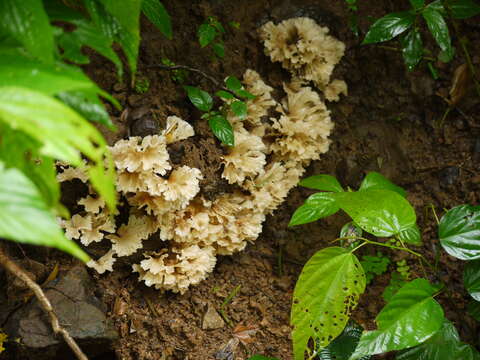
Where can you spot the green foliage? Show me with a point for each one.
(412, 307)
(316, 207)
(211, 32)
(353, 19)
(322, 182)
(397, 280)
(471, 279)
(344, 345)
(326, 292)
(177, 75)
(158, 15)
(376, 181)
(411, 235)
(142, 84)
(374, 265)
(473, 309)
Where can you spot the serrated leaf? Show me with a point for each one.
(239, 108)
(376, 181)
(411, 235)
(224, 94)
(322, 182)
(344, 345)
(233, 84)
(389, 26)
(471, 279)
(155, 11)
(463, 9)
(199, 98)
(28, 23)
(206, 34)
(317, 206)
(411, 317)
(439, 29)
(412, 48)
(25, 217)
(63, 133)
(417, 4)
(222, 129)
(459, 232)
(473, 309)
(218, 49)
(382, 213)
(444, 345)
(326, 292)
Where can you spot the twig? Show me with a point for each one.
(393, 48)
(12, 267)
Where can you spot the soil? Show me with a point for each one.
(388, 123)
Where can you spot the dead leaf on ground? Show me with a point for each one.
(245, 333)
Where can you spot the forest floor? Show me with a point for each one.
(388, 123)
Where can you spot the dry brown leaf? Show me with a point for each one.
(460, 84)
(245, 333)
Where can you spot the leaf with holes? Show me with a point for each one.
(471, 279)
(389, 26)
(326, 292)
(239, 108)
(206, 33)
(412, 48)
(376, 181)
(344, 345)
(158, 15)
(222, 129)
(317, 206)
(439, 29)
(322, 182)
(411, 317)
(459, 232)
(411, 235)
(383, 213)
(201, 99)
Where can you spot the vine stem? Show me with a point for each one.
(17, 271)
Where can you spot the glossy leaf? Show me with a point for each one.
(411, 235)
(412, 48)
(26, 218)
(376, 181)
(206, 33)
(344, 345)
(439, 29)
(444, 345)
(411, 317)
(219, 49)
(245, 94)
(382, 213)
(417, 4)
(222, 129)
(155, 11)
(63, 133)
(239, 108)
(322, 182)
(471, 279)
(199, 98)
(473, 309)
(317, 206)
(389, 26)
(28, 23)
(459, 232)
(463, 9)
(325, 294)
(233, 83)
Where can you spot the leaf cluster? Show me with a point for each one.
(374, 265)
(211, 32)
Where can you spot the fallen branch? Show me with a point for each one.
(17, 271)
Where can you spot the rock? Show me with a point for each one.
(79, 311)
(212, 320)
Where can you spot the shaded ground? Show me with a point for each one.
(386, 124)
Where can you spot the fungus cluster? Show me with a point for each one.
(273, 145)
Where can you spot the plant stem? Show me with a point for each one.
(392, 48)
(226, 302)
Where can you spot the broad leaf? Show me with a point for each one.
(389, 26)
(411, 317)
(471, 279)
(417, 4)
(459, 232)
(325, 294)
(473, 309)
(24, 216)
(322, 182)
(158, 15)
(439, 29)
(233, 84)
(206, 33)
(317, 206)
(63, 133)
(343, 346)
(444, 345)
(222, 129)
(463, 9)
(218, 49)
(376, 181)
(412, 48)
(382, 213)
(239, 108)
(199, 98)
(411, 235)
(28, 23)
(245, 94)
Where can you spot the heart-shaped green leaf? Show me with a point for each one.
(317, 206)
(222, 129)
(322, 182)
(376, 181)
(389, 26)
(471, 279)
(199, 98)
(459, 232)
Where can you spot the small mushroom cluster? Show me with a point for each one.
(273, 145)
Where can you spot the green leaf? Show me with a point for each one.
(439, 29)
(28, 23)
(322, 182)
(222, 129)
(26, 218)
(412, 48)
(471, 279)
(206, 33)
(218, 49)
(199, 98)
(463, 9)
(325, 294)
(245, 94)
(417, 4)
(397, 280)
(459, 232)
(224, 94)
(382, 213)
(411, 235)
(239, 108)
(317, 206)
(444, 345)
(389, 26)
(158, 15)
(344, 345)
(374, 265)
(376, 181)
(411, 317)
(473, 309)
(63, 133)
(233, 84)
